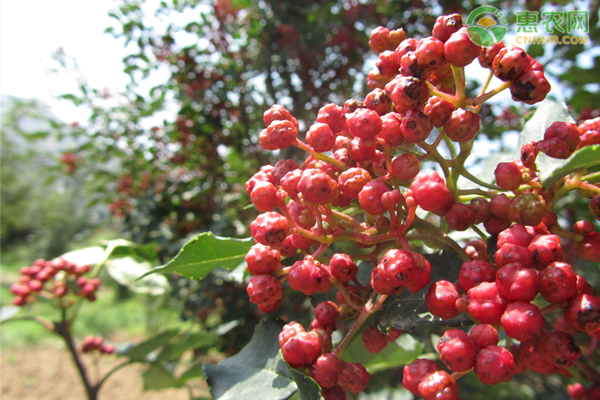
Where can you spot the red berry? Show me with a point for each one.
(305, 276)
(35, 285)
(370, 197)
(522, 320)
(262, 259)
(515, 235)
(532, 87)
(410, 92)
(565, 131)
(510, 63)
(415, 372)
(438, 385)
(393, 334)
(430, 191)
(558, 283)
(485, 303)
(107, 348)
(438, 110)
(278, 113)
(391, 131)
(373, 340)
(460, 50)
(484, 335)
(334, 393)
(472, 273)
(302, 350)
(317, 187)
(441, 299)
(517, 283)
(499, 205)
(404, 268)
(333, 116)
(494, 365)
(446, 25)
(343, 268)
(388, 64)
(534, 359)
(416, 126)
(364, 123)
(264, 175)
(281, 169)
(302, 215)
(509, 253)
(545, 249)
(264, 289)
(576, 391)
(264, 196)
(457, 350)
(554, 147)
(19, 301)
(326, 370)
(270, 229)
(406, 166)
(289, 331)
(379, 100)
(559, 349)
(462, 125)
(486, 58)
(515, 350)
(327, 313)
(379, 40)
(282, 134)
(410, 66)
(590, 132)
(354, 377)
(583, 227)
(430, 53)
(320, 137)
(589, 248)
(508, 175)
(527, 209)
(460, 217)
(583, 312)
(583, 287)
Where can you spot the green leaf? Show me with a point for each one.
(256, 372)
(122, 247)
(125, 270)
(409, 309)
(307, 387)
(7, 312)
(141, 350)
(552, 170)
(401, 352)
(547, 113)
(156, 378)
(87, 255)
(173, 351)
(195, 371)
(204, 253)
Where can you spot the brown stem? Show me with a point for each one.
(64, 330)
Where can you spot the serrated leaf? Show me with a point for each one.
(552, 170)
(547, 113)
(140, 350)
(308, 388)
(204, 253)
(156, 378)
(195, 371)
(7, 312)
(256, 372)
(396, 354)
(409, 309)
(125, 270)
(174, 350)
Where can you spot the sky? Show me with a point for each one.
(30, 31)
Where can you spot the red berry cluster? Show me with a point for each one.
(53, 279)
(92, 343)
(362, 183)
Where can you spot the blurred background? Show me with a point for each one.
(140, 120)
